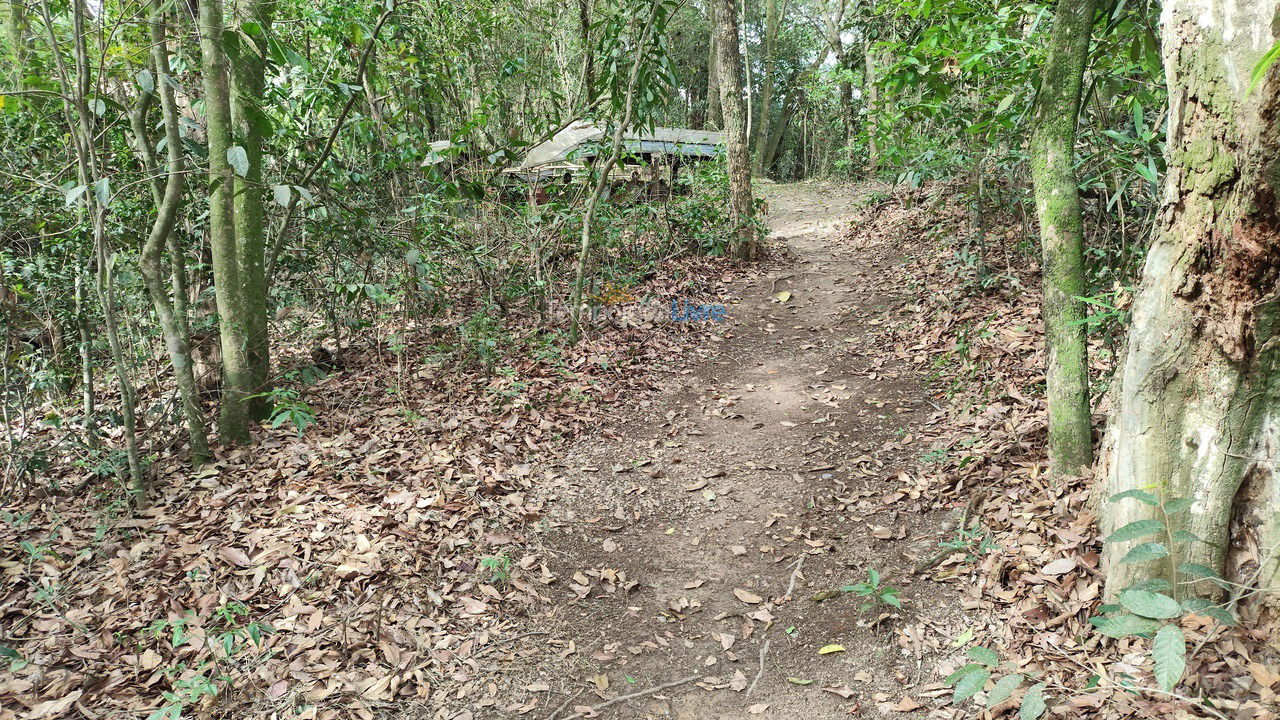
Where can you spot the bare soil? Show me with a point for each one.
(692, 530)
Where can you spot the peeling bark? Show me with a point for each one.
(1198, 408)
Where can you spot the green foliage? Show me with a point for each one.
(187, 691)
(231, 634)
(287, 406)
(1033, 703)
(1264, 64)
(1169, 651)
(875, 592)
(700, 210)
(1150, 610)
(498, 567)
(973, 543)
(619, 45)
(483, 338)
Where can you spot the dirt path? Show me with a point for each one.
(694, 530)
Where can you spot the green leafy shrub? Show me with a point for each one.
(1152, 610)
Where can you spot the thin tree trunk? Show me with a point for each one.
(777, 133)
(16, 30)
(746, 246)
(872, 95)
(1053, 143)
(96, 199)
(849, 114)
(615, 152)
(744, 65)
(588, 52)
(248, 121)
(791, 103)
(168, 198)
(277, 242)
(765, 107)
(1198, 403)
(73, 108)
(234, 324)
(85, 346)
(715, 115)
(128, 401)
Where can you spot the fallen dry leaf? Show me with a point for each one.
(906, 704)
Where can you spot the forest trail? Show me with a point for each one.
(694, 529)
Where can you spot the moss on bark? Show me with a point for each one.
(250, 124)
(233, 322)
(1198, 402)
(1062, 238)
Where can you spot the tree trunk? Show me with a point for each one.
(588, 52)
(791, 103)
(844, 60)
(249, 122)
(88, 400)
(778, 132)
(872, 95)
(1198, 405)
(168, 197)
(715, 115)
(16, 30)
(234, 324)
(765, 106)
(604, 170)
(1053, 141)
(94, 175)
(741, 204)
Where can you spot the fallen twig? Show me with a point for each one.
(563, 705)
(500, 643)
(791, 586)
(634, 695)
(764, 650)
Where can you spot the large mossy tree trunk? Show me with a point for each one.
(249, 123)
(741, 203)
(1053, 142)
(234, 322)
(1198, 405)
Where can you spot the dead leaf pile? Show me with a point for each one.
(376, 560)
(1041, 582)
